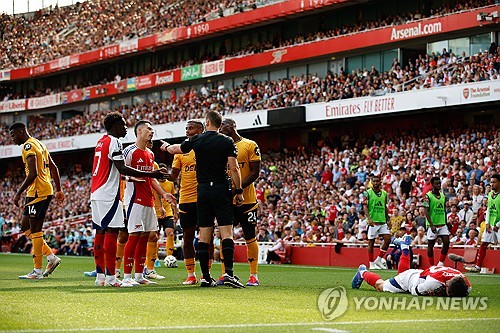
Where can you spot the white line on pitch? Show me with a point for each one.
(330, 330)
(205, 327)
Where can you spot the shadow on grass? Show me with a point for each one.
(38, 285)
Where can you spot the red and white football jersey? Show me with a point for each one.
(434, 278)
(105, 175)
(441, 273)
(139, 192)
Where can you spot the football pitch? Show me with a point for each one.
(286, 301)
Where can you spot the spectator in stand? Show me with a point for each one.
(477, 198)
(466, 214)
(327, 175)
(421, 238)
(458, 238)
(453, 219)
(349, 238)
(472, 226)
(406, 185)
(471, 239)
(420, 218)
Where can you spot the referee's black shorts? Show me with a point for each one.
(214, 201)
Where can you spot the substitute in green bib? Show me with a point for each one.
(492, 225)
(375, 206)
(435, 212)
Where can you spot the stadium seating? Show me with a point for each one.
(422, 73)
(87, 25)
(251, 48)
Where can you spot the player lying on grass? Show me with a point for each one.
(434, 281)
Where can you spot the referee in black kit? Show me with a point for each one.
(214, 152)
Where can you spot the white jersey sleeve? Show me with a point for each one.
(115, 150)
(128, 153)
(429, 287)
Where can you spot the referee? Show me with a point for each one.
(214, 152)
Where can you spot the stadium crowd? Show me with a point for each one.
(425, 72)
(258, 47)
(318, 193)
(61, 31)
(314, 194)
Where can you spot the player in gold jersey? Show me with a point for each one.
(40, 170)
(167, 215)
(185, 165)
(246, 214)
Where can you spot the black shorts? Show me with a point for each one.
(214, 201)
(166, 222)
(246, 214)
(188, 215)
(36, 210)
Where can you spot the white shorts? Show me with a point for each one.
(489, 237)
(107, 214)
(141, 218)
(377, 230)
(403, 282)
(440, 231)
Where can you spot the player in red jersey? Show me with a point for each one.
(434, 281)
(107, 212)
(139, 204)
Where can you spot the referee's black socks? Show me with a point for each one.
(204, 256)
(228, 253)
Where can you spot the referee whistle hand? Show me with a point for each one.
(164, 145)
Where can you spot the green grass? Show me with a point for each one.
(286, 302)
